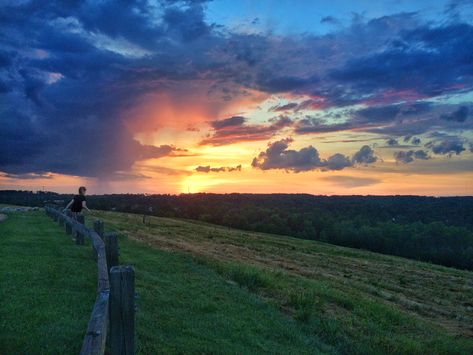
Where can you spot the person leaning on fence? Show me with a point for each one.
(78, 203)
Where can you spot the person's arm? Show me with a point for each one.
(68, 205)
(84, 206)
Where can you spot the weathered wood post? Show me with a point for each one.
(98, 228)
(111, 249)
(68, 225)
(122, 310)
(79, 235)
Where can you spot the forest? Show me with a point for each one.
(433, 229)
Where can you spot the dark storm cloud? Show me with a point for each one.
(285, 83)
(429, 60)
(459, 115)
(73, 126)
(410, 155)
(380, 119)
(447, 146)
(69, 69)
(4, 59)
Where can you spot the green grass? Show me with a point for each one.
(47, 287)
(351, 300)
(184, 306)
(210, 289)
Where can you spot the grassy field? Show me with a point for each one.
(47, 287)
(211, 289)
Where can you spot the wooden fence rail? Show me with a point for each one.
(102, 313)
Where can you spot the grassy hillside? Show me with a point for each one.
(211, 289)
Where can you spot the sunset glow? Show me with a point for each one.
(214, 97)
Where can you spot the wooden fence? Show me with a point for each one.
(113, 313)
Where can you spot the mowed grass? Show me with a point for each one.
(184, 306)
(47, 287)
(209, 289)
(350, 300)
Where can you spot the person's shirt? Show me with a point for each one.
(77, 204)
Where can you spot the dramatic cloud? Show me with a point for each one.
(365, 156)
(71, 72)
(337, 162)
(459, 115)
(410, 155)
(427, 60)
(233, 130)
(315, 125)
(311, 104)
(413, 140)
(208, 169)
(383, 119)
(63, 114)
(286, 107)
(228, 122)
(449, 145)
(278, 156)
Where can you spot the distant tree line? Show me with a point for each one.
(437, 230)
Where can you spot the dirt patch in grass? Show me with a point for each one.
(2, 217)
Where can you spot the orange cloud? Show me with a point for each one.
(185, 106)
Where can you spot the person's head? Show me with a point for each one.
(82, 190)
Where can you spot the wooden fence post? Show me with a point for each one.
(98, 228)
(68, 225)
(111, 249)
(79, 235)
(122, 310)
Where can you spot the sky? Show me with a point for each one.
(323, 97)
